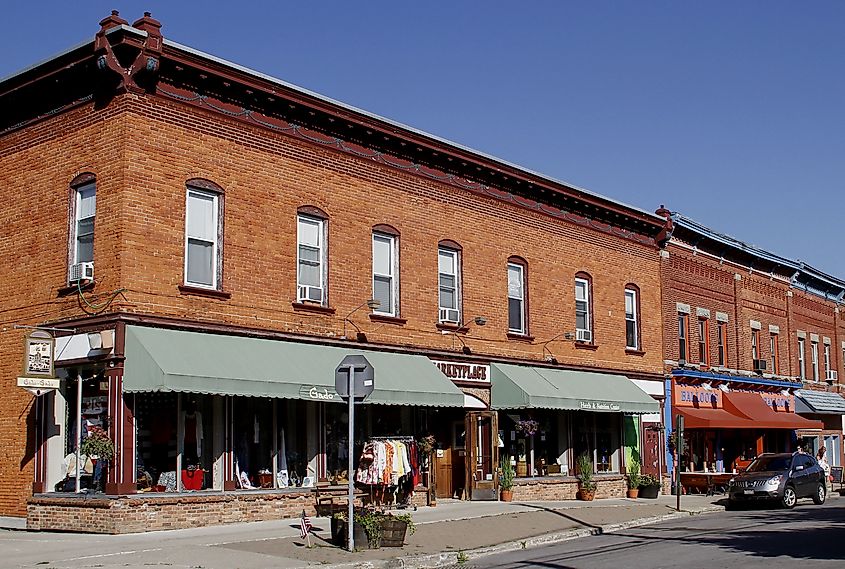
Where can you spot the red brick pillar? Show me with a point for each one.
(121, 477)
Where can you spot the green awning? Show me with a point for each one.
(526, 387)
(193, 362)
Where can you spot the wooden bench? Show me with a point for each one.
(329, 500)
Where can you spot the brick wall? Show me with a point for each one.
(565, 488)
(139, 514)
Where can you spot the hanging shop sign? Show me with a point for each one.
(599, 406)
(39, 350)
(315, 393)
(464, 371)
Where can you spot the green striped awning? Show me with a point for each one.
(194, 362)
(527, 387)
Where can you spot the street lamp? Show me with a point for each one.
(569, 336)
(372, 304)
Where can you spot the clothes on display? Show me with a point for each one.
(193, 432)
(392, 464)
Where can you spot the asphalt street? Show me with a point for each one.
(808, 536)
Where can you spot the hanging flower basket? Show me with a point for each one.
(527, 427)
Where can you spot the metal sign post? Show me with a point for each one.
(679, 442)
(353, 370)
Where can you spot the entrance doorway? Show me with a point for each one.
(651, 459)
(482, 455)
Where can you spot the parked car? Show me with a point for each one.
(783, 477)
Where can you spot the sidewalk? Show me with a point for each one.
(476, 528)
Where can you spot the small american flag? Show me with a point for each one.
(304, 525)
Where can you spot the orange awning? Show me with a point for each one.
(754, 407)
(707, 418)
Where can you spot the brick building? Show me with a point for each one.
(749, 339)
(203, 240)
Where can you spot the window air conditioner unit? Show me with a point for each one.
(81, 272)
(449, 315)
(682, 363)
(831, 375)
(583, 336)
(311, 293)
(759, 366)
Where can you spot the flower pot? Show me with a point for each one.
(339, 534)
(393, 533)
(586, 495)
(507, 495)
(649, 491)
(633, 492)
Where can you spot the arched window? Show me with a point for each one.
(312, 255)
(632, 317)
(449, 282)
(83, 213)
(517, 296)
(203, 234)
(386, 269)
(583, 308)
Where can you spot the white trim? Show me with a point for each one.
(522, 327)
(215, 223)
(588, 320)
(321, 256)
(393, 263)
(448, 311)
(636, 319)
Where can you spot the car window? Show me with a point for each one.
(808, 461)
(769, 463)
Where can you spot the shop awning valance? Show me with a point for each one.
(820, 402)
(527, 387)
(194, 362)
(743, 410)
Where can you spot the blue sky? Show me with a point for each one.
(729, 112)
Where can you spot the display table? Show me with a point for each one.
(705, 482)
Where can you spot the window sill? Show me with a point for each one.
(586, 346)
(633, 352)
(520, 337)
(308, 307)
(73, 288)
(387, 319)
(451, 327)
(206, 292)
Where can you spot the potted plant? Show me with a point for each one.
(98, 446)
(375, 529)
(586, 486)
(633, 478)
(649, 486)
(506, 476)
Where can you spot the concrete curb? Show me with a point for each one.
(448, 558)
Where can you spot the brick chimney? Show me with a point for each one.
(111, 21)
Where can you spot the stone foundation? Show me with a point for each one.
(557, 488)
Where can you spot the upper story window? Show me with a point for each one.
(583, 316)
(85, 211)
(202, 238)
(802, 366)
(704, 341)
(449, 284)
(826, 361)
(385, 271)
(774, 349)
(814, 359)
(683, 334)
(311, 259)
(516, 298)
(632, 319)
(755, 344)
(721, 340)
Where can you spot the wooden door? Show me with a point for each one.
(482, 455)
(443, 478)
(652, 437)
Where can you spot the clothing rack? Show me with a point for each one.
(378, 492)
(397, 438)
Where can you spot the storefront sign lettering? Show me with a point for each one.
(39, 382)
(317, 393)
(696, 396)
(464, 372)
(779, 402)
(599, 406)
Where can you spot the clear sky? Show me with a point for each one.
(729, 112)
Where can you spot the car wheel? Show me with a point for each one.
(789, 498)
(820, 495)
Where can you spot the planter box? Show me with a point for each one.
(340, 538)
(393, 533)
(649, 491)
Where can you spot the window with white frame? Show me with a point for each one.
(814, 359)
(311, 260)
(449, 285)
(632, 336)
(802, 364)
(201, 239)
(516, 298)
(385, 271)
(826, 360)
(583, 325)
(85, 211)
(683, 333)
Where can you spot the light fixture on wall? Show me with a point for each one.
(372, 304)
(463, 328)
(547, 354)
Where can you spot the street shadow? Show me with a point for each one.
(561, 514)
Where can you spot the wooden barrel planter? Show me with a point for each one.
(521, 469)
(340, 534)
(393, 533)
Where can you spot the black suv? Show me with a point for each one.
(784, 477)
